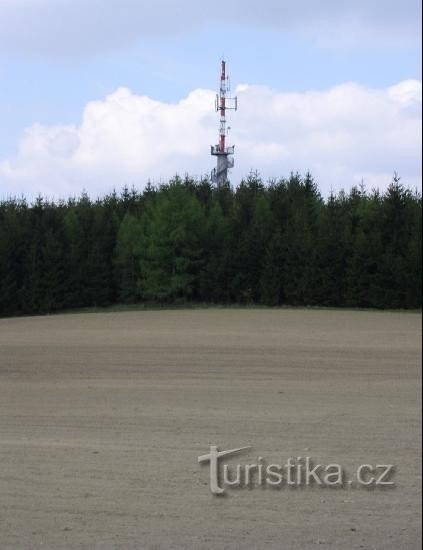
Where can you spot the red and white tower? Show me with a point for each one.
(219, 174)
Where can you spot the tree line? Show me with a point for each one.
(190, 241)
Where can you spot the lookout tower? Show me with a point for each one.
(222, 151)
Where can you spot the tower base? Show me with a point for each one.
(219, 175)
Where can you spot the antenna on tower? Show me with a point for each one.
(222, 151)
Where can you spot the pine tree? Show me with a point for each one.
(127, 258)
(271, 281)
(214, 277)
(53, 271)
(171, 253)
(74, 259)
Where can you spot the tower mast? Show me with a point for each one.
(223, 153)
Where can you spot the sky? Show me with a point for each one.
(98, 94)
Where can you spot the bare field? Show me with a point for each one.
(103, 416)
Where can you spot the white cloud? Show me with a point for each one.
(72, 27)
(341, 135)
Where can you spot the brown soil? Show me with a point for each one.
(103, 416)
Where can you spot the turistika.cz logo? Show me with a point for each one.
(295, 472)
